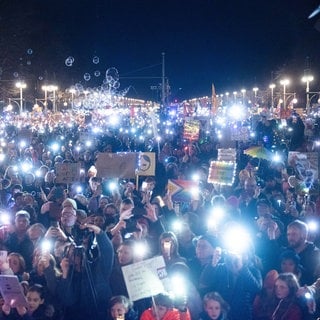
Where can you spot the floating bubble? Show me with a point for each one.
(29, 63)
(16, 74)
(69, 61)
(97, 73)
(87, 76)
(95, 60)
(30, 51)
(116, 85)
(112, 72)
(109, 79)
(79, 86)
(40, 78)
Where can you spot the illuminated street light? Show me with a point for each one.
(235, 95)
(307, 79)
(53, 89)
(72, 91)
(284, 83)
(227, 95)
(243, 91)
(272, 86)
(21, 85)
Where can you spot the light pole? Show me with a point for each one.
(235, 95)
(53, 88)
(243, 91)
(21, 85)
(284, 83)
(307, 79)
(72, 91)
(272, 86)
(227, 95)
(45, 88)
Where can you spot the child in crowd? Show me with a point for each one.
(35, 310)
(120, 307)
(163, 310)
(215, 308)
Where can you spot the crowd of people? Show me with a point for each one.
(244, 251)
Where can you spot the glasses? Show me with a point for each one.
(68, 214)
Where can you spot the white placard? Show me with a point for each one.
(146, 278)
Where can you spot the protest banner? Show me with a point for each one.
(222, 172)
(146, 278)
(183, 190)
(67, 172)
(116, 165)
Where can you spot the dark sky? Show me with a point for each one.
(232, 44)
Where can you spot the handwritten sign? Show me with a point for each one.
(229, 154)
(67, 172)
(240, 133)
(146, 278)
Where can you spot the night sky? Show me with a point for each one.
(232, 44)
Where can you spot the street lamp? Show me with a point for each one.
(235, 95)
(21, 85)
(272, 86)
(72, 91)
(307, 79)
(53, 88)
(284, 83)
(227, 95)
(243, 91)
(45, 88)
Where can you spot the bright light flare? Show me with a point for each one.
(237, 112)
(236, 240)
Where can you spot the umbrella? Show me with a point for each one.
(259, 152)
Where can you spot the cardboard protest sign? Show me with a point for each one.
(116, 165)
(67, 172)
(222, 172)
(146, 278)
(191, 130)
(239, 133)
(11, 291)
(146, 164)
(183, 190)
(229, 154)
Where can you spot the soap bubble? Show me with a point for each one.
(29, 51)
(95, 60)
(87, 76)
(69, 61)
(97, 73)
(16, 74)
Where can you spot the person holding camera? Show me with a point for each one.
(84, 286)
